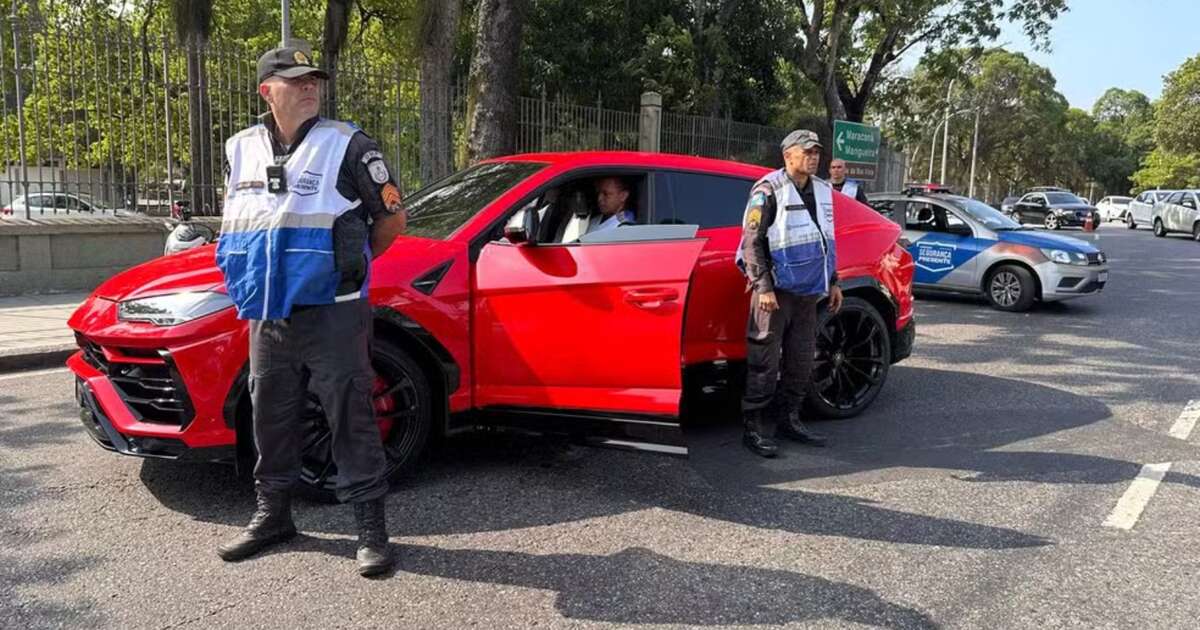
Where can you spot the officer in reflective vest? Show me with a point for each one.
(308, 203)
(789, 257)
(848, 187)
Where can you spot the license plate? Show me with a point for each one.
(1103, 276)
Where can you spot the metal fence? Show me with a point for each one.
(120, 115)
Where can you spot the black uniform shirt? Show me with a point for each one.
(756, 249)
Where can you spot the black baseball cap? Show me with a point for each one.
(288, 62)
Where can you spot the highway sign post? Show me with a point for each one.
(858, 145)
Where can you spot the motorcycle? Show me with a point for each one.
(186, 233)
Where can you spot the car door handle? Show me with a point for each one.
(651, 298)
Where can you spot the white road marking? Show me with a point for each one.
(1187, 421)
(1129, 508)
(17, 375)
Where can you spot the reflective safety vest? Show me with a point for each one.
(276, 249)
(850, 188)
(803, 253)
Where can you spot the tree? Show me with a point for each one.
(437, 27)
(193, 26)
(337, 24)
(847, 46)
(1175, 160)
(494, 80)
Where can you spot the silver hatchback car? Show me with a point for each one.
(1180, 212)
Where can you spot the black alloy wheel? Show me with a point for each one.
(403, 411)
(1159, 230)
(1129, 222)
(853, 355)
(1011, 288)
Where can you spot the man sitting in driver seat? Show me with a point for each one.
(612, 195)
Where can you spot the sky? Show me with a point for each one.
(1129, 44)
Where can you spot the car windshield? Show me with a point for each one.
(990, 217)
(1161, 194)
(1062, 197)
(436, 211)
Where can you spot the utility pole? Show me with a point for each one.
(974, 152)
(946, 131)
(932, 151)
(286, 30)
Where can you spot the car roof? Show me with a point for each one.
(661, 161)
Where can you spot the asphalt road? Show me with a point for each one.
(974, 494)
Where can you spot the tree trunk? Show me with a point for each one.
(336, 25)
(438, 27)
(494, 79)
(203, 193)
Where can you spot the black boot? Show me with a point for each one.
(754, 438)
(373, 555)
(271, 524)
(791, 427)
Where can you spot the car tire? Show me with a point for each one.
(1159, 230)
(1129, 222)
(1051, 222)
(853, 356)
(1010, 288)
(403, 405)
(1196, 232)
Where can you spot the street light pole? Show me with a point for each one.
(932, 151)
(974, 152)
(946, 131)
(286, 29)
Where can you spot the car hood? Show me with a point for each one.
(1041, 239)
(196, 270)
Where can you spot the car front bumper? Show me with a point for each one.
(158, 391)
(1061, 282)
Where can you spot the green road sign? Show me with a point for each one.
(858, 145)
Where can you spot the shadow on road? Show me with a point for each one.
(638, 586)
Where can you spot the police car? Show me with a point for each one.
(961, 245)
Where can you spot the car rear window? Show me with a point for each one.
(699, 199)
(439, 209)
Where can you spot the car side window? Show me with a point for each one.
(888, 207)
(709, 201)
(1189, 202)
(1175, 198)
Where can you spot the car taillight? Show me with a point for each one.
(6, 210)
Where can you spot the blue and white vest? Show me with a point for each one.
(803, 254)
(850, 188)
(276, 249)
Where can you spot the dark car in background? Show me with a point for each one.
(1054, 209)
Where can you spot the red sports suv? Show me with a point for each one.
(498, 308)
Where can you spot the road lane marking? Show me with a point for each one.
(1131, 504)
(7, 377)
(1130, 507)
(1187, 421)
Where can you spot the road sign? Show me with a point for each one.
(858, 145)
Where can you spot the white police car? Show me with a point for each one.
(961, 245)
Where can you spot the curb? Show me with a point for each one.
(36, 358)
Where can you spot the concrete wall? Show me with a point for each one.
(51, 255)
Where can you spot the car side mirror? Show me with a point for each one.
(526, 233)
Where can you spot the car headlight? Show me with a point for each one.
(176, 308)
(1065, 257)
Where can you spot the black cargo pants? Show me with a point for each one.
(326, 349)
(786, 336)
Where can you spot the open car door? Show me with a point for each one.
(587, 337)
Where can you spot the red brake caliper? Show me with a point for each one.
(384, 405)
